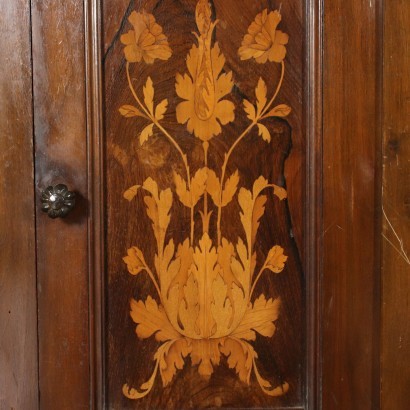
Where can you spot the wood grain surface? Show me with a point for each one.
(60, 157)
(18, 317)
(49, 95)
(351, 205)
(395, 355)
(129, 359)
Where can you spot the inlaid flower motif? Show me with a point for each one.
(146, 42)
(263, 42)
(204, 110)
(134, 260)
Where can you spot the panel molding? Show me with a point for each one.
(313, 195)
(314, 198)
(96, 227)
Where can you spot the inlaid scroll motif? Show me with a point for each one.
(205, 305)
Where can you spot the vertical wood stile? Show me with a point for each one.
(18, 306)
(395, 355)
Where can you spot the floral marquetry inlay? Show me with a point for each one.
(206, 304)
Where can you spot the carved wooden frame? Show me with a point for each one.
(313, 197)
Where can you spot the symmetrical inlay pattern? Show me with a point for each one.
(205, 305)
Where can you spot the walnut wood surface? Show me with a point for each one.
(351, 203)
(395, 355)
(60, 155)
(130, 360)
(18, 318)
(352, 208)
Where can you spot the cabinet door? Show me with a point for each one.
(204, 173)
(18, 336)
(60, 133)
(224, 250)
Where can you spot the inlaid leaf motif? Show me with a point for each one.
(173, 359)
(175, 301)
(152, 187)
(236, 278)
(261, 92)
(243, 267)
(224, 87)
(146, 133)
(281, 110)
(152, 212)
(145, 388)
(206, 354)
(151, 319)
(243, 254)
(264, 133)
(189, 309)
(182, 191)
(246, 202)
(259, 318)
(267, 387)
(148, 91)
(173, 275)
(255, 114)
(258, 211)
(129, 111)
(240, 357)
(253, 208)
(250, 110)
(158, 208)
(221, 308)
(280, 192)
(259, 185)
(164, 206)
(185, 256)
(161, 109)
(205, 270)
(213, 187)
(198, 185)
(131, 193)
(230, 188)
(226, 253)
(166, 269)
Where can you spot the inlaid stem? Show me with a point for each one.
(170, 138)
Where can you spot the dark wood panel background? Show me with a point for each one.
(352, 208)
(18, 309)
(395, 355)
(130, 360)
(351, 205)
(61, 157)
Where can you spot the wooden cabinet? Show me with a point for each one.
(228, 237)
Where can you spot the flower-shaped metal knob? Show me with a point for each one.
(57, 201)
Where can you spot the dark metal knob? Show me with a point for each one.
(57, 201)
